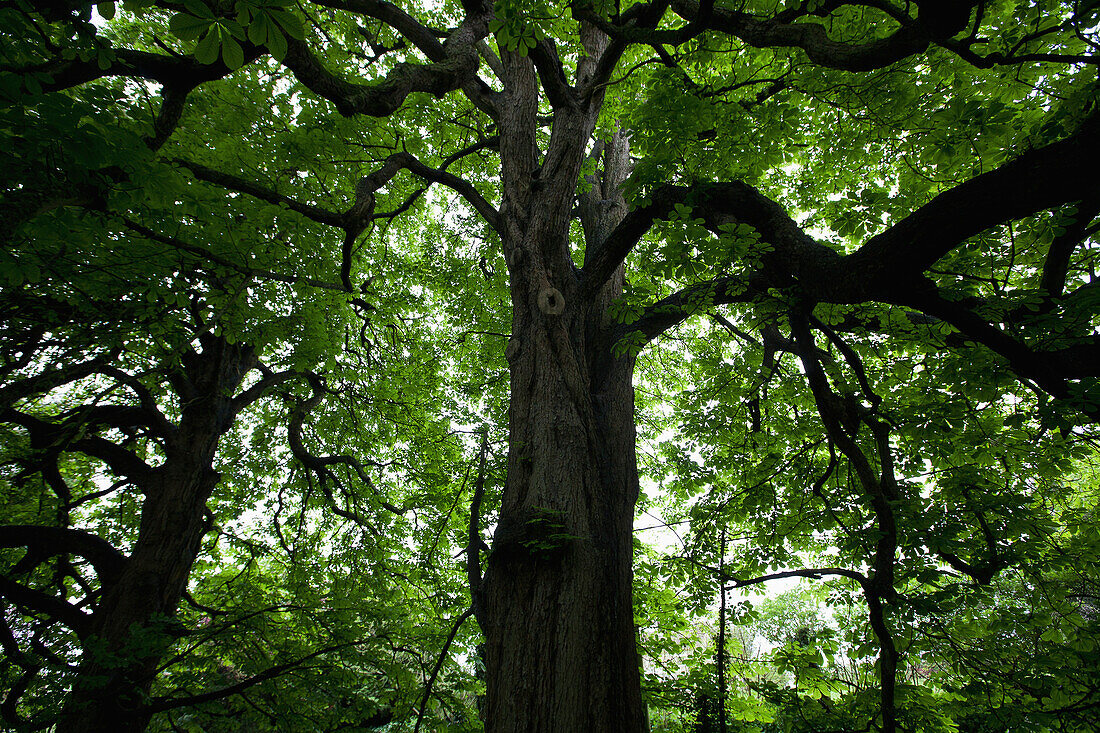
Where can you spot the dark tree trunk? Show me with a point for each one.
(556, 603)
(131, 627)
(720, 651)
(561, 652)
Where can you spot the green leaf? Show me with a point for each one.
(207, 50)
(106, 10)
(188, 27)
(258, 29)
(276, 43)
(198, 8)
(290, 24)
(233, 28)
(232, 53)
(30, 81)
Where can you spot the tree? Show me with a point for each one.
(891, 172)
(128, 355)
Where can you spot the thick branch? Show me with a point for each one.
(183, 72)
(1056, 264)
(453, 70)
(46, 434)
(42, 383)
(173, 102)
(795, 252)
(407, 26)
(44, 542)
(157, 421)
(552, 75)
(1049, 369)
(674, 309)
(256, 391)
(56, 609)
(936, 20)
(640, 18)
(1037, 180)
(888, 267)
(982, 574)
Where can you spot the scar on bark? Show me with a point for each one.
(551, 301)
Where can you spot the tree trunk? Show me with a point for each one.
(556, 602)
(132, 624)
(720, 651)
(561, 652)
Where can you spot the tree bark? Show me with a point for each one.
(132, 624)
(557, 608)
(560, 638)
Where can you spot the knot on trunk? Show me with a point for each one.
(517, 256)
(551, 301)
(511, 351)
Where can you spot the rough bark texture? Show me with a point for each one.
(557, 609)
(560, 651)
(131, 626)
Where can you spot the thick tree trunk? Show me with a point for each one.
(131, 627)
(556, 602)
(561, 652)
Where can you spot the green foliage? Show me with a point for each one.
(265, 23)
(513, 27)
(119, 247)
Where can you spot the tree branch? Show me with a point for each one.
(406, 161)
(552, 75)
(160, 704)
(251, 188)
(439, 665)
(1056, 265)
(210, 257)
(813, 573)
(322, 465)
(674, 309)
(474, 541)
(935, 21)
(58, 438)
(53, 607)
(183, 72)
(267, 382)
(44, 542)
(1035, 181)
(795, 253)
(44, 382)
(406, 25)
(454, 69)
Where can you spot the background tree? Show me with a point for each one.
(844, 184)
(128, 354)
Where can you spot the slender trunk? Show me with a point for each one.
(720, 656)
(131, 626)
(888, 664)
